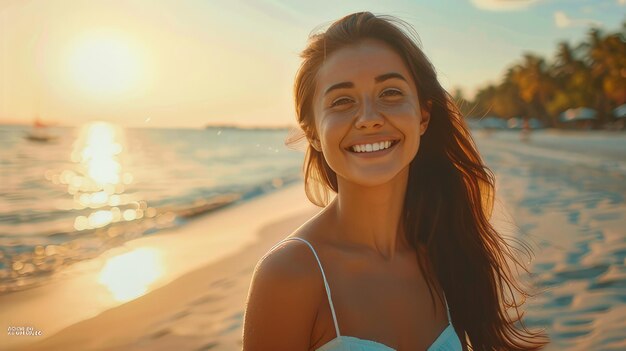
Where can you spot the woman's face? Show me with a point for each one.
(365, 95)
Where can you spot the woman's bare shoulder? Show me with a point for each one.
(283, 299)
(289, 260)
(292, 261)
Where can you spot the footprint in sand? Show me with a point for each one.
(586, 273)
(570, 335)
(163, 324)
(232, 326)
(205, 305)
(208, 346)
(577, 322)
(246, 271)
(180, 315)
(210, 310)
(233, 322)
(223, 283)
(205, 299)
(160, 333)
(560, 302)
(238, 316)
(217, 282)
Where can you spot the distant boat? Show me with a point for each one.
(39, 138)
(39, 133)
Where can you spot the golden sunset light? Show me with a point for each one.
(175, 174)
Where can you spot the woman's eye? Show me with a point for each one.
(340, 101)
(391, 92)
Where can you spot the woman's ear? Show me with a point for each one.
(425, 116)
(316, 145)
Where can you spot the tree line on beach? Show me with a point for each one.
(590, 74)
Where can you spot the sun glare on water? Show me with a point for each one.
(104, 64)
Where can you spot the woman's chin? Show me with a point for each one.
(373, 179)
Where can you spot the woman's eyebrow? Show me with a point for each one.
(381, 78)
(384, 77)
(342, 85)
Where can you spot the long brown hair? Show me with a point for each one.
(449, 197)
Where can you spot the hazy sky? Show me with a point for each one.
(188, 63)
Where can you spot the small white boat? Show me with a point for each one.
(39, 133)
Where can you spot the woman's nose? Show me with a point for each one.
(368, 115)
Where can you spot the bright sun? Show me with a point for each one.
(104, 65)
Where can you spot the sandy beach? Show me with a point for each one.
(200, 310)
(564, 194)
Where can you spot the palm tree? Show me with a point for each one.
(606, 55)
(565, 62)
(535, 84)
(591, 74)
(610, 64)
(572, 79)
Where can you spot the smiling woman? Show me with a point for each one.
(101, 64)
(404, 257)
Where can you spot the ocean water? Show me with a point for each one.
(97, 186)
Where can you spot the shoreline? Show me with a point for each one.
(157, 320)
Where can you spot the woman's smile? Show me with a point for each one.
(373, 150)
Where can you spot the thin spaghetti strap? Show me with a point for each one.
(447, 308)
(330, 300)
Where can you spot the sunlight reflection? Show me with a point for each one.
(100, 218)
(100, 153)
(129, 275)
(98, 180)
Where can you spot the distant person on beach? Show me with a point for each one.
(404, 257)
(525, 132)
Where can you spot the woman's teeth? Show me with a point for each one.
(371, 147)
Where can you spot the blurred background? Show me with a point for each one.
(121, 120)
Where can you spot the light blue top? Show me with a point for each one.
(448, 340)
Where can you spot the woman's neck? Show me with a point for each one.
(371, 216)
